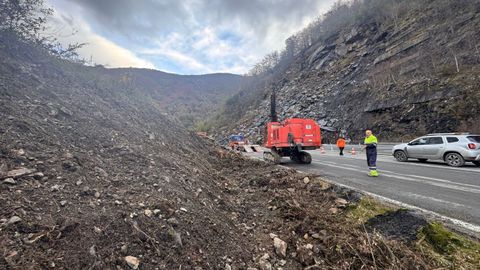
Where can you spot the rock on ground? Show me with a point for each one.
(280, 246)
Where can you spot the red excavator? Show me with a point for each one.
(290, 138)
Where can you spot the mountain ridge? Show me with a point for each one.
(187, 98)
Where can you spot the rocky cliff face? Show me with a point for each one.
(409, 76)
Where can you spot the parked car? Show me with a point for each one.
(453, 148)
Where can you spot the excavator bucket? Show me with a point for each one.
(251, 148)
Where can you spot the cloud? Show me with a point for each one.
(70, 29)
(112, 55)
(195, 36)
(177, 57)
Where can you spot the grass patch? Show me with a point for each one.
(366, 209)
(447, 248)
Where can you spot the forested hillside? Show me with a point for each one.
(402, 68)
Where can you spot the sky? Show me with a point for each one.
(181, 36)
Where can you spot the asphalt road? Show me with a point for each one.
(433, 186)
(382, 149)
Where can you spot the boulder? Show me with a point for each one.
(10, 181)
(19, 172)
(280, 246)
(148, 212)
(133, 262)
(340, 202)
(306, 180)
(13, 220)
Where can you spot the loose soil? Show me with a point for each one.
(401, 224)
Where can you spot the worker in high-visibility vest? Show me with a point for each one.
(341, 144)
(371, 149)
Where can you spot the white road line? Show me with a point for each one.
(436, 179)
(398, 176)
(408, 175)
(438, 166)
(418, 196)
(409, 163)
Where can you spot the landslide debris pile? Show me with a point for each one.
(96, 177)
(401, 68)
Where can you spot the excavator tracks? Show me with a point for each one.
(272, 157)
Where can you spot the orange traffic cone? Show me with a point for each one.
(322, 150)
(353, 151)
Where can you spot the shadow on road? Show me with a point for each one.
(440, 163)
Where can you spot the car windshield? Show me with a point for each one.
(474, 138)
(236, 138)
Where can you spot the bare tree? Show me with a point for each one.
(28, 20)
(25, 17)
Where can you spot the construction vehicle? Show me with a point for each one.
(236, 142)
(290, 138)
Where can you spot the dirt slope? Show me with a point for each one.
(92, 174)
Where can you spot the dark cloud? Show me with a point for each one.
(158, 17)
(260, 15)
(129, 17)
(194, 36)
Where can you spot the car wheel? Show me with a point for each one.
(422, 159)
(400, 156)
(454, 160)
(477, 163)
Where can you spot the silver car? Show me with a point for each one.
(453, 148)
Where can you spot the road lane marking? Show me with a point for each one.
(399, 176)
(418, 196)
(409, 175)
(382, 159)
(439, 166)
(436, 179)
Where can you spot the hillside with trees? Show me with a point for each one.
(187, 98)
(402, 68)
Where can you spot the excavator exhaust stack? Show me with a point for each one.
(273, 107)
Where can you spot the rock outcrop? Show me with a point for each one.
(409, 76)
